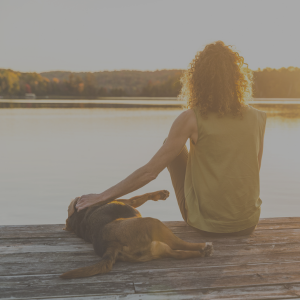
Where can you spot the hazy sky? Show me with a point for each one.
(85, 35)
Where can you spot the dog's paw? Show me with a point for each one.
(164, 195)
(161, 195)
(208, 249)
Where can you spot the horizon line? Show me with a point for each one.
(133, 70)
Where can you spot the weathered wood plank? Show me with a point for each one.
(192, 234)
(55, 230)
(32, 289)
(43, 288)
(161, 280)
(263, 224)
(72, 245)
(290, 271)
(34, 231)
(44, 245)
(266, 231)
(245, 293)
(257, 236)
(54, 265)
(75, 244)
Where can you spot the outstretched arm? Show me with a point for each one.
(182, 128)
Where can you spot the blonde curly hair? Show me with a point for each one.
(217, 81)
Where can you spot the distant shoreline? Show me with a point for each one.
(283, 82)
(130, 102)
(48, 98)
(84, 98)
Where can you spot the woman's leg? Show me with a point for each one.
(177, 170)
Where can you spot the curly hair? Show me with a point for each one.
(217, 81)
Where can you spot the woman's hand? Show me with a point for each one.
(88, 200)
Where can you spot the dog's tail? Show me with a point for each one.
(104, 266)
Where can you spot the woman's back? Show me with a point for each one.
(222, 175)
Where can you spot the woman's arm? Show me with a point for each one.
(183, 127)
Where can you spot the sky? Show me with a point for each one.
(87, 35)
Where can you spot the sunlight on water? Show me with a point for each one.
(49, 156)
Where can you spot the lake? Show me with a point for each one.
(50, 156)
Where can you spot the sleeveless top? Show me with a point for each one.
(222, 175)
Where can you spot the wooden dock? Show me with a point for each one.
(265, 265)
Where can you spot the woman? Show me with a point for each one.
(217, 183)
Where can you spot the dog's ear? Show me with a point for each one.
(72, 207)
(71, 211)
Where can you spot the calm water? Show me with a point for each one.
(50, 156)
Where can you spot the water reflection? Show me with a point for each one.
(49, 156)
(285, 113)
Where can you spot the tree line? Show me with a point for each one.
(267, 83)
(276, 83)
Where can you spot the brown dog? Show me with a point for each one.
(118, 232)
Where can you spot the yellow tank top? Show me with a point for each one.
(222, 175)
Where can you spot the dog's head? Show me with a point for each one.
(75, 218)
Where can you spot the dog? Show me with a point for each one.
(119, 233)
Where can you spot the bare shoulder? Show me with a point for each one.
(186, 125)
(187, 117)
